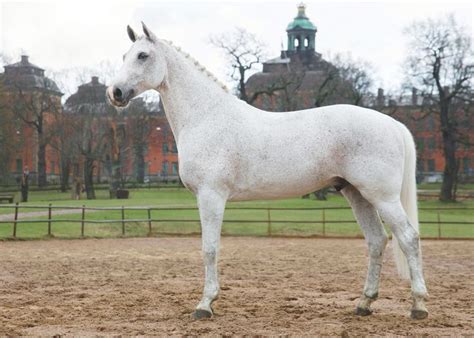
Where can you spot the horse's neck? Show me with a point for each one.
(189, 95)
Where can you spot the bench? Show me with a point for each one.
(7, 197)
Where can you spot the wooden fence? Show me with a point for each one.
(149, 221)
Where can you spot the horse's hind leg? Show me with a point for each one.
(376, 238)
(393, 214)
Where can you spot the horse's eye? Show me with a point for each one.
(142, 56)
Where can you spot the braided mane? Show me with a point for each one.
(197, 64)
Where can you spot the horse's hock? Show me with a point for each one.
(147, 286)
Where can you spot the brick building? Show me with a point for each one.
(413, 112)
(30, 103)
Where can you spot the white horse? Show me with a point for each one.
(231, 151)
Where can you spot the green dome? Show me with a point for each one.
(301, 21)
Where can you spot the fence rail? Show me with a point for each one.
(269, 220)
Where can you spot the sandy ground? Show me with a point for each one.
(269, 286)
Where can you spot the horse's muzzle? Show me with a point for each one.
(117, 97)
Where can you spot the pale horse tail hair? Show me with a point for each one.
(408, 199)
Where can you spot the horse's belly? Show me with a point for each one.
(278, 186)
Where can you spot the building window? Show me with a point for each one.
(306, 43)
(53, 168)
(420, 165)
(466, 165)
(420, 144)
(165, 148)
(175, 168)
(19, 165)
(164, 169)
(175, 148)
(431, 122)
(432, 143)
(420, 124)
(431, 165)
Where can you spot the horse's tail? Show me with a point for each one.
(408, 198)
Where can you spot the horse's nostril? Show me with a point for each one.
(117, 94)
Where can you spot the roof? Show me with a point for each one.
(308, 80)
(26, 75)
(301, 21)
(279, 59)
(24, 62)
(87, 95)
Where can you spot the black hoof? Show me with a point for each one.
(418, 314)
(359, 311)
(201, 314)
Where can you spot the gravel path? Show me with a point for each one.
(21, 215)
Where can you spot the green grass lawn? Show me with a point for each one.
(280, 219)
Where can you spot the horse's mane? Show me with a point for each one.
(197, 64)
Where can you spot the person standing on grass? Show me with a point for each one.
(24, 185)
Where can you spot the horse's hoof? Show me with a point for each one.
(360, 311)
(201, 314)
(418, 314)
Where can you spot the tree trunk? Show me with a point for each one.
(65, 167)
(321, 195)
(140, 163)
(88, 178)
(449, 150)
(41, 164)
(242, 88)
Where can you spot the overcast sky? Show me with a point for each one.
(65, 34)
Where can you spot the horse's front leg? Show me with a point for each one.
(211, 209)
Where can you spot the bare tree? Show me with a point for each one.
(244, 52)
(355, 79)
(91, 140)
(139, 129)
(63, 131)
(32, 107)
(68, 79)
(440, 64)
(344, 80)
(9, 135)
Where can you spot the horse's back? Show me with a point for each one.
(287, 154)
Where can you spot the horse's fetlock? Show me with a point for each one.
(372, 296)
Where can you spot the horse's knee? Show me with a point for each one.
(209, 255)
(377, 245)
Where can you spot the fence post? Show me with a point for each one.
(16, 218)
(439, 226)
(324, 222)
(82, 219)
(49, 220)
(269, 223)
(123, 221)
(149, 222)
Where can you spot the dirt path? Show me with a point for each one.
(149, 286)
(21, 215)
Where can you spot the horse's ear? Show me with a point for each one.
(148, 33)
(131, 34)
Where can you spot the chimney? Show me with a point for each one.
(380, 98)
(95, 80)
(24, 59)
(414, 96)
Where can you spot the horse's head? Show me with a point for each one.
(143, 68)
